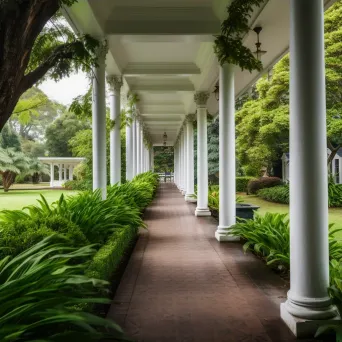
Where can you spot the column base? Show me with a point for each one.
(202, 212)
(306, 328)
(183, 192)
(190, 198)
(225, 237)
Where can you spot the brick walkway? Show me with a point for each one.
(182, 285)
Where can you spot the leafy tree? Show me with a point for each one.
(12, 163)
(36, 169)
(9, 139)
(213, 151)
(33, 113)
(262, 124)
(35, 42)
(163, 159)
(60, 132)
(33, 149)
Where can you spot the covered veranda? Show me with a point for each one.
(162, 51)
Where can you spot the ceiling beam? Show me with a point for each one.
(145, 69)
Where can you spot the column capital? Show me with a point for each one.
(115, 83)
(102, 49)
(201, 99)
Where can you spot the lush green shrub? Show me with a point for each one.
(264, 182)
(18, 236)
(269, 237)
(108, 258)
(242, 183)
(335, 194)
(39, 290)
(281, 194)
(277, 194)
(82, 185)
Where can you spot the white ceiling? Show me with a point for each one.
(164, 50)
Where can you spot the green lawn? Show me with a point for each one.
(335, 214)
(18, 199)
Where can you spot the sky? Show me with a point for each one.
(67, 89)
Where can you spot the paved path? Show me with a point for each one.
(182, 285)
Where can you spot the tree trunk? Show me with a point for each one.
(8, 178)
(333, 153)
(20, 24)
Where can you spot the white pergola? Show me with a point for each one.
(162, 50)
(65, 168)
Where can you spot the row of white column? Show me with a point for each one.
(63, 171)
(138, 156)
(308, 304)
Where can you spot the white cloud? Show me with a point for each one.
(67, 89)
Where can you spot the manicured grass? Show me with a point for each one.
(335, 214)
(17, 199)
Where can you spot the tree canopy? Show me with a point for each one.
(36, 42)
(262, 124)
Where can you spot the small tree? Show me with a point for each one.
(12, 163)
(36, 169)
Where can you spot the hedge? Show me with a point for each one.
(242, 183)
(264, 182)
(277, 194)
(107, 260)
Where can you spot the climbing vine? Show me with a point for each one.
(229, 46)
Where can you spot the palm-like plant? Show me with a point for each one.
(37, 168)
(12, 162)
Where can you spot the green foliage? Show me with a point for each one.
(60, 132)
(9, 139)
(262, 124)
(33, 114)
(268, 236)
(281, 194)
(38, 290)
(277, 194)
(82, 185)
(242, 182)
(335, 194)
(264, 182)
(229, 46)
(109, 256)
(213, 151)
(163, 159)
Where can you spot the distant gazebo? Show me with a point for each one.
(65, 167)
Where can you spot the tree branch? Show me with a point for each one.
(63, 51)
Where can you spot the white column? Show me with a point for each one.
(134, 131)
(115, 84)
(185, 160)
(202, 209)
(60, 170)
(142, 146)
(52, 175)
(152, 159)
(138, 151)
(227, 211)
(181, 161)
(308, 303)
(129, 152)
(190, 183)
(99, 124)
(65, 168)
(175, 164)
(71, 172)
